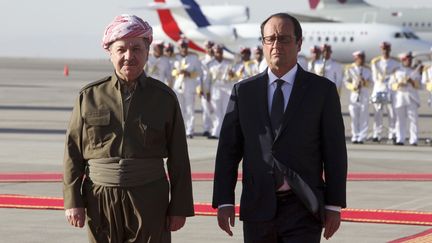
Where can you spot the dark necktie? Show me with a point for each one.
(277, 108)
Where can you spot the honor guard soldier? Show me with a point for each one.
(382, 68)
(405, 82)
(427, 84)
(246, 67)
(121, 129)
(169, 52)
(187, 71)
(314, 57)
(204, 89)
(158, 65)
(259, 57)
(221, 86)
(209, 51)
(357, 79)
(329, 68)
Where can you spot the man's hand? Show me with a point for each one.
(75, 216)
(175, 223)
(226, 217)
(332, 223)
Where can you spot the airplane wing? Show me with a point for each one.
(310, 18)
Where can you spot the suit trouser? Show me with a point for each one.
(404, 113)
(293, 223)
(129, 214)
(378, 120)
(359, 113)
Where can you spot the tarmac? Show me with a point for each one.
(36, 99)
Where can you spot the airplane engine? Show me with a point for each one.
(226, 14)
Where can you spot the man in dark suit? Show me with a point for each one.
(286, 126)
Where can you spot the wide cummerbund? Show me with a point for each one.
(119, 172)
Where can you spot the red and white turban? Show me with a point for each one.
(126, 26)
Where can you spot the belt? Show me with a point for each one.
(119, 172)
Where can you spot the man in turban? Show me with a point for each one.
(122, 128)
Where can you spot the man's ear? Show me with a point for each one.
(299, 43)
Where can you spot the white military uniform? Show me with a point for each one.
(331, 70)
(159, 68)
(311, 65)
(262, 65)
(406, 102)
(427, 82)
(185, 87)
(221, 85)
(382, 69)
(245, 69)
(357, 79)
(205, 87)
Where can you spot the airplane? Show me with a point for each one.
(355, 11)
(185, 19)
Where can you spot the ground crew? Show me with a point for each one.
(383, 68)
(358, 79)
(405, 82)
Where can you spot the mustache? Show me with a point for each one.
(127, 62)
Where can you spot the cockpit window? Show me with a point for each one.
(411, 35)
(398, 35)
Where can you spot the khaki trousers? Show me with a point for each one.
(127, 214)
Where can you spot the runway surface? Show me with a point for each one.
(35, 105)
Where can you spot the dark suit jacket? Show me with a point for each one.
(311, 142)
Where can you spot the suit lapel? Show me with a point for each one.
(299, 89)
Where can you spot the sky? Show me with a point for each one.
(73, 29)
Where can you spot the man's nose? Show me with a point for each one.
(128, 54)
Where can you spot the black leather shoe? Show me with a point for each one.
(399, 143)
(360, 142)
(189, 136)
(206, 134)
(212, 137)
(376, 140)
(413, 144)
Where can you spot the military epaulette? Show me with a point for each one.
(426, 67)
(375, 59)
(102, 80)
(350, 65)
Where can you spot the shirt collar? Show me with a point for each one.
(287, 77)
(117, 82)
